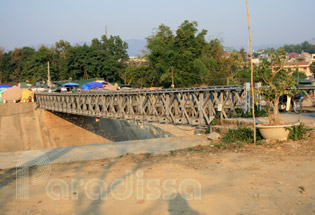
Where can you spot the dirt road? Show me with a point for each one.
(268, 179)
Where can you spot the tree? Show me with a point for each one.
(116, 49)
(279, 82)
(61, 48)
(77, 61)
(103, 58)
(312, 68)
(35, 67)
(235, 66)
(1, 60)
(58, 61)
(299, 75)
(162, 55)
(193, 59)
(305, 46)
(18, 58)
(138, 76)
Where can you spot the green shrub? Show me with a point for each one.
(240, 113)
(240, 135)
(297, 132)
(215, 121)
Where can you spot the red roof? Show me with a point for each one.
(226, 55)
(293, 54)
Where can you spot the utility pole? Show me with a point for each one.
(106, 30)
(252, 72)
(172, 77)
(48, 74)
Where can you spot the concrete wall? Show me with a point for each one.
(23, 127)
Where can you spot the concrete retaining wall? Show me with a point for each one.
(23, 127)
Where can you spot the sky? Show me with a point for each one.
(35, 22)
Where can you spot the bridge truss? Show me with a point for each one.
(193, 106)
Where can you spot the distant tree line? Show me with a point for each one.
(193, 60)
(103, 58)
(305, 46)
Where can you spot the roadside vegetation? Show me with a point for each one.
(238, 137)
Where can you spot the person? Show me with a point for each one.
(29, 99)
(63, 89)
(75, 90)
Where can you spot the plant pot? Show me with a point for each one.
(275, 132)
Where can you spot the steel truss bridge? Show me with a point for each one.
(192, 106)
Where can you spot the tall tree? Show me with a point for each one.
(1, 59)
(185, 52)
(103, 58)
(18, 60)
(35, 67)
(58, 64)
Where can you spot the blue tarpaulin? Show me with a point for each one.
(5, 86)
(70, 85)
(92, 85)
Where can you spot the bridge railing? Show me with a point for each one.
(308, 91)
(193, 106)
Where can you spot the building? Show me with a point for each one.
(301, 66)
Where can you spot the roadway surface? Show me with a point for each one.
(308, 118)
(97, 151)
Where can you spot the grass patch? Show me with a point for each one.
(260, 143)
(218, 145)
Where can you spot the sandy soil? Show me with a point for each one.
(275, 178)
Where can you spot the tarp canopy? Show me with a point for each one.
(92, 85)
(5, 86)
(27, 95)
(108, 86)
(86, 87)
(70, 85)
(12, 94)
(80, 82)
(1, 91)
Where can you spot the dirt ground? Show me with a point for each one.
(274, 178)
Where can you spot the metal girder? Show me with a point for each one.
(193, 106)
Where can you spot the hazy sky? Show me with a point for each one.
(33, 22)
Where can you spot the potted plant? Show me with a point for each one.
(277, 82)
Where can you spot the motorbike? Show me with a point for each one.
(295, 103)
